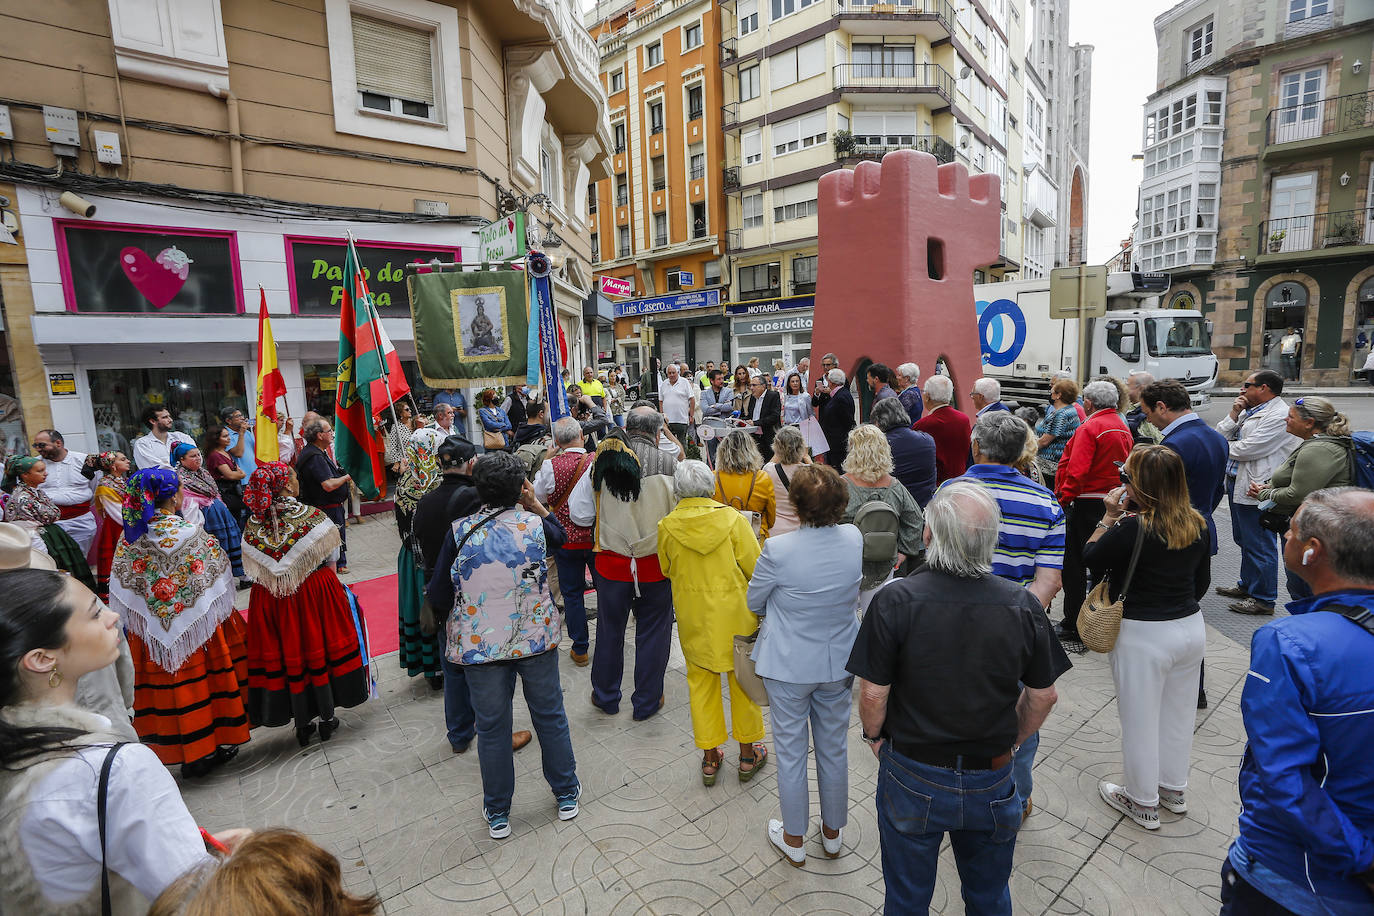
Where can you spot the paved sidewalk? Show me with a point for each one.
(404, 814)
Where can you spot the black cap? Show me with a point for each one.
(455, 451)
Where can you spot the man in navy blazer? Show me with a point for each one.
(836, 415)
(1204, 450)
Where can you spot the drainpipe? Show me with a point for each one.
(231, 104)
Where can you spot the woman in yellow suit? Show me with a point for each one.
(708, 552)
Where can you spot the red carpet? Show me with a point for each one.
(377, 597)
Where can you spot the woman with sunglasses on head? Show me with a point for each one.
(1158, 655)
(1322, 460)
(54, 631)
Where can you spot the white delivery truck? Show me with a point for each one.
(1023, 346)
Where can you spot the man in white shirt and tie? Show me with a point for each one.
(68, 486)
(152, 450)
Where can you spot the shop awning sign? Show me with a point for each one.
(616, 286)
(769, 306)
(709, 298)
(503, 240)
(316, 272)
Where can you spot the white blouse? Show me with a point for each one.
(151, 839)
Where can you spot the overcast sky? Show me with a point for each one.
(1123, 40)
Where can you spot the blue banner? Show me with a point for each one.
(539, 268)
(532, 340)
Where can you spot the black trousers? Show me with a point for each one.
(1240, 898)
(1082, 517)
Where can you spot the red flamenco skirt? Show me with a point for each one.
(105, 543)
(304, 660)
(185, 716)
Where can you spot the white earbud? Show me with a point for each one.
(1307, 556)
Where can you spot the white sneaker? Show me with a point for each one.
(795, 855)
(1114, 795)
(832, 847)
(1173, 800)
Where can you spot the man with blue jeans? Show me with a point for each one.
(942, 656)
(454, 498)
(1030, 539)
(1256, 430)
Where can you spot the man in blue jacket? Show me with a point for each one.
(1306, 841)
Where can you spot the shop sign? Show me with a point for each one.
(616, 286)
(504, 239)
(316, 272)
(60, 383)
(769, 306)
(705, 299)
(121, 268)
(774, 325)
(686, 278)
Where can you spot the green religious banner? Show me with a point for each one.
(471, 327)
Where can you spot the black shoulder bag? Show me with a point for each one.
(1359, 616)
(106, 908)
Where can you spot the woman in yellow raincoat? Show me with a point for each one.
(708, 552)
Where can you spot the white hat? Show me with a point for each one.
(16, 550)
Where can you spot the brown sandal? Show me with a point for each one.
(710, 765)
(755, 763)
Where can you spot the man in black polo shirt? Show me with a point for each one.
(323, 484)
(941, 656)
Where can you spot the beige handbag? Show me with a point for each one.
(1099, 620)
(748, 678)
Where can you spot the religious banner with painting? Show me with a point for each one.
(470, 327)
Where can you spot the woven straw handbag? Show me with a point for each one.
(1099, 620)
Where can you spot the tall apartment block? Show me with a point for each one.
(1258, 190)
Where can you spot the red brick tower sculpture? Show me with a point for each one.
(899, 242)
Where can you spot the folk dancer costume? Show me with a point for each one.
(30, 508)
(201, 505)
(71, 489)
(305, 653)
(109, 509)
(419, 653)
(172, 585)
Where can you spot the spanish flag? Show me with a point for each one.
(270, 387)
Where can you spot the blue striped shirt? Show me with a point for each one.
(1031, 532)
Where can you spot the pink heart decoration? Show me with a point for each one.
(158, 284)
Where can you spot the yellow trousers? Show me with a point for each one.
(708, 710)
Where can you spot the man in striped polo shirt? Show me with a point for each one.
(1030, 537)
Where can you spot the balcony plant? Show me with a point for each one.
(1276, 240)
(1343, 232)
(844, 144)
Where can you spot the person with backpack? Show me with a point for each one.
(533, 439)
(881, 508)
(741, 483)
(1306, 836)
(555, 485)
(1322, 460)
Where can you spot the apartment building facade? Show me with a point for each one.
(220, 149)
(1258, 189)
(659, 219)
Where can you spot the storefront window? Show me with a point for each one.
(194, 396)
(321, 387)
(1364, 323)
(1285, 307)
(13, 440)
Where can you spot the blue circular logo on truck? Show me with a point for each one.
(1001, 331)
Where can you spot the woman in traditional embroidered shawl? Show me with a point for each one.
(109, 508)
(419, 653)
(304, 651)
(172, 585)
(31, 509)
(201, 503)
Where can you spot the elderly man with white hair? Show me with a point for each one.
(1142, 430)
(987, 396)
(1087, 473)
(836, 414)
(948, 426)
(556, 486)
(908, 391)
(956, 668)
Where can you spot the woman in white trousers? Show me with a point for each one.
(1154, 549)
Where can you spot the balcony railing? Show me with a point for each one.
(660, 240)
(729, 51)
(660, 184)
(698, 172)
(1319, 230)
(888, 9)
(693, 114)
(919, 78)
(732, 239)
(730, 178)
(656, 129)
(1307, 121)
(938, 147)
(729, 115)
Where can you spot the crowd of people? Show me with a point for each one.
(810, 558)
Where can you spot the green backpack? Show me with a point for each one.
(879, 524)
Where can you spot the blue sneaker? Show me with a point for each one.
(498, 825)
(567, 804)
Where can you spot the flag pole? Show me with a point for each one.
(374, 319)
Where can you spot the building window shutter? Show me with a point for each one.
(393, 60)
